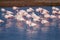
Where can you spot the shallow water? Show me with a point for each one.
(15, 33)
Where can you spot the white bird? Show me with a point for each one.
(53, 8)
(54, 12)
(3, 10)
(52, 16)
(30, 10)
(46, 15)
(57, 9)
(44, 21)
(33, 24)
(45, 11)
(9, 16)
(59, 16)
(58, 12)
(1, 21)
(9, 12)
(22, 12)
(35, 17)
(28, 22)
(19, 17)
(39, 9)
(28, 15)
(14, 8)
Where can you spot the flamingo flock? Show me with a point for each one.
(30, 18)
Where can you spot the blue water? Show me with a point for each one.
(13, 33)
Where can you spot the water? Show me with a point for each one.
(15, 33)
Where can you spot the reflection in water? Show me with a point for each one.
(27, 25)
